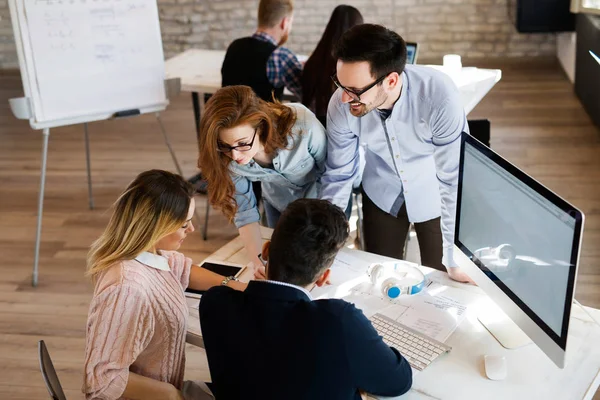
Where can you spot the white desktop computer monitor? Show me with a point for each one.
(520, 243)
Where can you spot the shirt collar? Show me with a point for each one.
(265, 37)
(385, 114)
(403, 93)
(306, 292)
(154, 260)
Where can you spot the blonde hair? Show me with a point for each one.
(154, 205)
(270, 12)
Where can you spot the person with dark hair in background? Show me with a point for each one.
(299, 348)
(317, 86)
(411, 118)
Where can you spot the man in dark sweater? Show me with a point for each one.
(260, 61)
(274, 342)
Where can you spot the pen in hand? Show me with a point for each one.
(260, 270)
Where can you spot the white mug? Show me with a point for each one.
(452, 63)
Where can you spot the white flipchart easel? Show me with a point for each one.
(83, 61)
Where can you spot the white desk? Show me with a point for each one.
(200, 72)
(473, 84)
(200, 69)
(460, 375)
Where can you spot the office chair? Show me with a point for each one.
(49, 373)
(480, 129)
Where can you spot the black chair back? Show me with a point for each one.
(480, 129)
(49, 373)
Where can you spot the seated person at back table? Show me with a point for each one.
(274, 342)
(260, 61)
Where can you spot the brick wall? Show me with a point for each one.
(472, 28)
(8, 53)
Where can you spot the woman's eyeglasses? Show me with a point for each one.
(355, 94)
(223, 148)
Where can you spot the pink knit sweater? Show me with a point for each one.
(137, 322)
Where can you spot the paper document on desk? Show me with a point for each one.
(347, 262)
(436, 316)
(346, 272)
(435, 313)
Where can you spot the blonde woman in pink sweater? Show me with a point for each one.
(137, 322)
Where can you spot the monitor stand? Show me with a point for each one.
(501, 327)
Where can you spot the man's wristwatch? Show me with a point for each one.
(226, 280)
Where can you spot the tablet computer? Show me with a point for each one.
(223, 268)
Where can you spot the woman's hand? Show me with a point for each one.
(260, 273)
(458, 275)
(259, 268)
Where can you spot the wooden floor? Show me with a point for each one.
(537, 122)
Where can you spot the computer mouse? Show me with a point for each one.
(495, 367)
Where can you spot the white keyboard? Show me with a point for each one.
(418, 349)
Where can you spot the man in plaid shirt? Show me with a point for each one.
(260, 61)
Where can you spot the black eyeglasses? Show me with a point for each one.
(355, 95)
(223, 148)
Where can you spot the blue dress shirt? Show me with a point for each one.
(411, 157)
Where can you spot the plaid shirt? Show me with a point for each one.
(283, 67)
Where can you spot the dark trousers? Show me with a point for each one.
(386, 235)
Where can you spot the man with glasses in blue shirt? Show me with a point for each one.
(410, 118)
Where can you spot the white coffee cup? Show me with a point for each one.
(452, 63)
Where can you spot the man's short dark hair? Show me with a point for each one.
(308, 236)
(383, 49)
